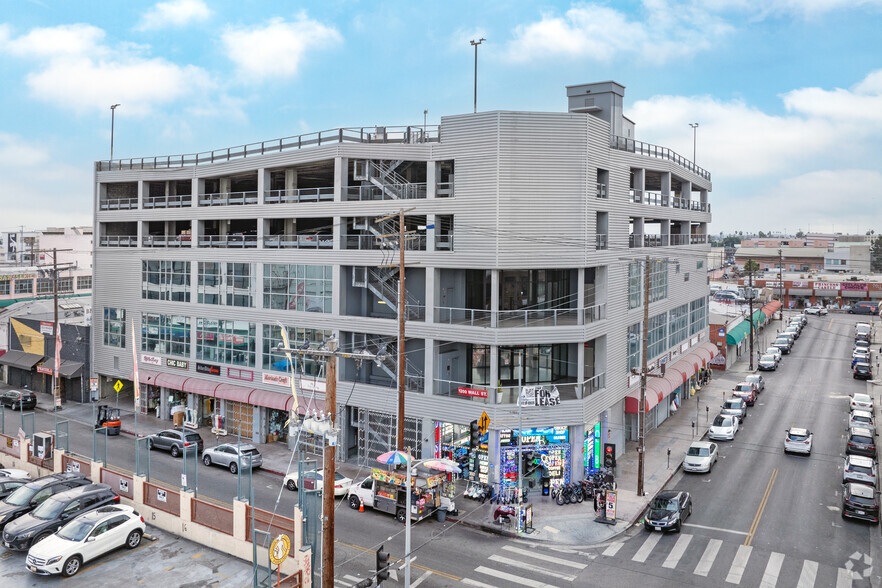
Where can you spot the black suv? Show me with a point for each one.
(17, 400)
(54, 512)
(26, 498)
(859, 502)
(861, 441)
(174, 440)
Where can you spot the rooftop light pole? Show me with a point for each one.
(694, 132)
(475, 44)
(112, 113)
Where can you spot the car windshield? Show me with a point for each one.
(49, 509)
(721, 421)
(338, 476)
(731, 404)
(862, 439)
(861, 398)
(75, 531)
(858, 418)
(21, 496)
(193, 437)
(743, 388)
(769, 357)
(668, 504)
(698, 452)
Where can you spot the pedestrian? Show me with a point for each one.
(596, 502)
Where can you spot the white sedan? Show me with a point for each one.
(86, 537)
(798, 441)
(314, 481)
(818, 310)
(774, 351)
(861, 402)
(700, 457)
(723, 428)
(14, 474)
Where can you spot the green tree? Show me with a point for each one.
(750, 266)
(876, 254)
(761, 235)
(800, 234)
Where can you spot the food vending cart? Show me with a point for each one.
(387, 491)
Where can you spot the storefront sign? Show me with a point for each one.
(277, 379)
(44, 370)
(721, 332)
(151, 359)
(774, 284)
(46, 328)
(535, 436)
(826, 286)
(311, 385)
(7, 277)
(853, 286)
(611, 505)
(539, 396)
(177, 363)
(204, 368)
(475, 392)
(796, 284)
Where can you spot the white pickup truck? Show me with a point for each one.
(387, 491)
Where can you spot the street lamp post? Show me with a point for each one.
(475, 44)
(694, 132)
(112, 117)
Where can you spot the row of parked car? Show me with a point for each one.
(225, 455)
(64, 520)
(783, 344)
(861, 356)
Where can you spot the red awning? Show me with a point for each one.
(145, 376)
(681, 369)
(233, 392)
(656, 391)
(166, 380)
(274, 400)
(771, 308)
(706, 351)
(202, 387)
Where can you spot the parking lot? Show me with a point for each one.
(166, 562)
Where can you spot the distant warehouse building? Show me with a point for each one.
(527, 239)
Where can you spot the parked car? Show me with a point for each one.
(85, 538)
(789, 336)
(860, 401)
(758, 381)
(861, 418)
(861, 441)
(798, 440)
(314, 480)
(861, 354)
(858, 468)
(796, 322)
(736, 407)
(801, 318)
(174, 440)
(668, 510)
(747, 391)
(723, 428)
(15, 474)
(28, 530)
(862, 371)
(10, 485)
(859, 501)
(816, 310)
(784, 344)
(865, 345)
(230, 455)
(793, 330)
(767, 363)
(19, 399)
(776, 352)
(29, 496)
(700, 457)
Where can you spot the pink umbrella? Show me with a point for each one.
(442, 465)
(394, 457)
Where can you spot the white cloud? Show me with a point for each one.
(862, 103)
(175, 13)
(809, 9)
(278, 48)
(15, 152)
(63, 40)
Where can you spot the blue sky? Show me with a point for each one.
(787, 93)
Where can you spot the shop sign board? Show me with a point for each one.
(151, 359)
(205, 368)
(800, 284)
(535, 436)
(611, 505)
(277, 379)
(180, 364)
(826, 286)
(853, 286)
(43, 370)
(539, 396)
(473, 392)
(46, 328)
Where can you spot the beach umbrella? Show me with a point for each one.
(394, 457)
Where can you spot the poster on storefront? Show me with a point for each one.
(611, 505)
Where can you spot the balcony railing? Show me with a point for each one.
(594, 313)
(444, 242)
(635, 196)
(474, 317)
(636, 240)
(593, 384)
(119, 241)
(601, 241)
(398, 191)
(369, 242)
(118, 204)
(298, 241)
(679, 239)
(409, 134)
(444, 190)
(232, 241)
(178, 201)
(649, 150)
(295, 196)
(697, 239)
(166, 240)
(228, 199)
(601, 191)
(475, 392)
(507, 319)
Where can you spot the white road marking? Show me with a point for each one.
(707, 559)
(545, 558)
(738, 564)
(551, 529)
(677, 552)
(470, 582)
(773, 568)
(809, 572)
(646, 548)
(716, 529)
(515, 580)
(420, 579)
(404, 563)
(352, 578)
(613, 549)
(530, 567)
(843, 578)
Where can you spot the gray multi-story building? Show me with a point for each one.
(527, 235)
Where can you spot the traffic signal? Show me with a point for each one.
(609, 455)
(474, 435)
(382, 565)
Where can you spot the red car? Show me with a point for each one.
(747, 391)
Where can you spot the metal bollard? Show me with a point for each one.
(693, 428)
(669, 458)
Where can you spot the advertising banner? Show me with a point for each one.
(611, 505)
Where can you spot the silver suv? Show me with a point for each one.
(734, 407)
(174, 441)
(858, 468)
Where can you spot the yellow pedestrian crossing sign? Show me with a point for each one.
(484, 423)
(118, 386)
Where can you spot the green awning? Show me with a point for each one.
(742, 329)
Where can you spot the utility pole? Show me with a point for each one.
(641, 416)
(750, 302)
(781, 284)
(56, 390)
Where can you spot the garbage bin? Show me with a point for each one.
(546, 485)
(441, 515)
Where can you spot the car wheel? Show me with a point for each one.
(175, 452)
(354, 502)
(710, 467)
(677, 528)
(39, 538)
(400, 516)
(71, 566)
(206, 460)
(291, 485)
(233, 467)
(134, 539)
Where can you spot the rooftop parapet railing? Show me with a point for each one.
(626, 144)
(408, 134)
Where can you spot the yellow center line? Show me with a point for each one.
(762, 506)
(413, 565)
